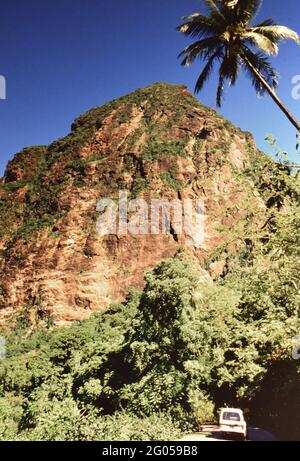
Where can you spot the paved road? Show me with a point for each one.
(260, 435)
(213, 434)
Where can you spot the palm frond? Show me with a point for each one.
(206, 72)
(202, 49)
(198, 25)
(276, 33)
(214, 8)
(263, 42)
(247, 10)
(229, 71)
(263, 66)
(265, 22)
(240, 11)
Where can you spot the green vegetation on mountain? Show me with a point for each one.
(170, 356)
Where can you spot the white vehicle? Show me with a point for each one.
(232, 422)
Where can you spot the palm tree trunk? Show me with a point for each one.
(273, 95)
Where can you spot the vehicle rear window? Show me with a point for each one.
(231, 416)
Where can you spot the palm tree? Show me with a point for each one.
(226, 36)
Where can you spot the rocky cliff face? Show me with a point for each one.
(158, 142)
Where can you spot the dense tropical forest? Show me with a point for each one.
(167, 358)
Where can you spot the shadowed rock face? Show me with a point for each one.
(158, 142)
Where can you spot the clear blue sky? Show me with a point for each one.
(62, 57)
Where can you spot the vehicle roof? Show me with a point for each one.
(235, 410)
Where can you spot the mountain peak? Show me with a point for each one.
(158, 142)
